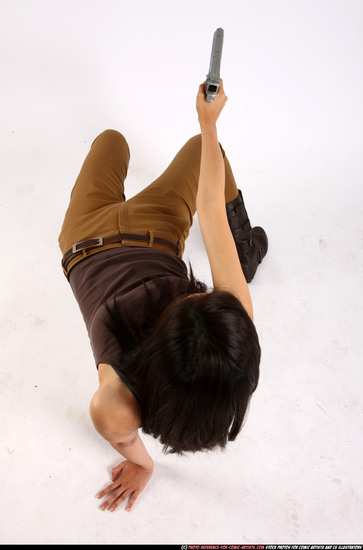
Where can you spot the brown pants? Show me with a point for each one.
(164, 209)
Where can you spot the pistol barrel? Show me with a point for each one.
(213, 79)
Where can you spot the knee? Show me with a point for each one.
(111, 136)
(196, 140)
(194, 143)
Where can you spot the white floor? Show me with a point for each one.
(292, 129)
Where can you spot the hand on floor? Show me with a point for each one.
(129, 480)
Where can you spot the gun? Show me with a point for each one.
(213, 82)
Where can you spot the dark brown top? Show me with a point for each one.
(122, 274)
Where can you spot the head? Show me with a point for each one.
(196, 372)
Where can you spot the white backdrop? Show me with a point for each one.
(292, 130)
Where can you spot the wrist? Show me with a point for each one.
(149, 465)
(207, 126)
(135, 451)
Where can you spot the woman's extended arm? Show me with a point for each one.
(225, 266)
(115, 417)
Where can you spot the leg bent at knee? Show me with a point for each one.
(110, 136)
(109, 156)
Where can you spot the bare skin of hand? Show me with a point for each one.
(208, 113)
(129, 480)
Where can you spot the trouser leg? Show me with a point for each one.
(169, 203)
(173, 196)
(98, 191)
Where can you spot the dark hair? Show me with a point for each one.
(195, 372)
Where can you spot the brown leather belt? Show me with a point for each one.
(100, 241)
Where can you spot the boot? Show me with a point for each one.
(251, 243)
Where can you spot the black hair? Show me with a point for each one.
(193, 369)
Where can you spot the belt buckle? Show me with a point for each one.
(91, 243)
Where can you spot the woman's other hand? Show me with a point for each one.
(129, 480)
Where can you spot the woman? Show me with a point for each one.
(175, 360)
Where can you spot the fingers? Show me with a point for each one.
(201, 88)
(116, 493)
(220, 93)
(132, 500)
(118, 497)
(115, 503)
(108, 489)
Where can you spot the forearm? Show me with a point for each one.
(135, 451)
(212, 172)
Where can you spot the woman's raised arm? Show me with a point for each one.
(223, 257)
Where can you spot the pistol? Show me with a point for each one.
(213, 81)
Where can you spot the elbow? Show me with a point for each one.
(109, 424)
(124, 441)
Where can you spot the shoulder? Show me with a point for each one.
(114, 411)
